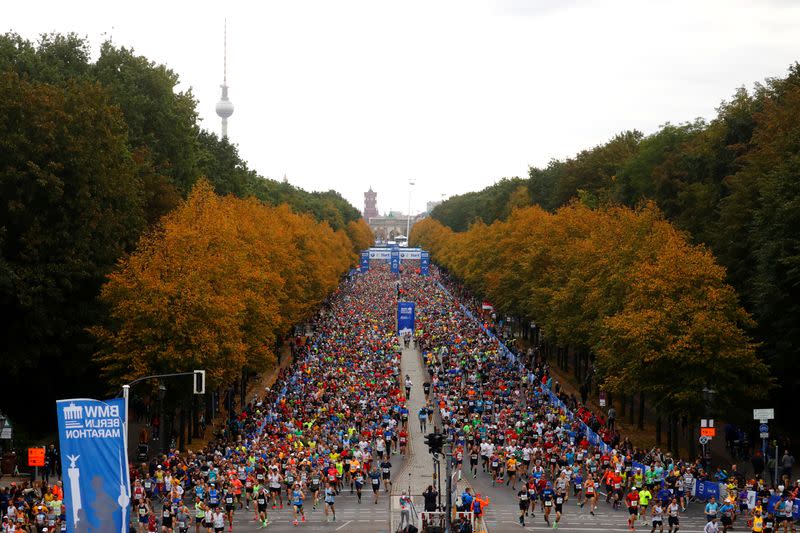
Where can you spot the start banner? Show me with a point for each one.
(94, 455)
(405, 318)
(425, 263)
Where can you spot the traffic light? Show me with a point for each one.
(429, 438)
(434, 442)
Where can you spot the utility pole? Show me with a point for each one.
(448, 456)
(408, 215)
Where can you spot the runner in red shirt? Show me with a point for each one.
(616, 486)
(632, 503)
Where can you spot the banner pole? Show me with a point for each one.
(126, 391)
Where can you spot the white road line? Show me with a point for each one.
(343, 525)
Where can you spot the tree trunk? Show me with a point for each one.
(190, 422)
(630, 413)
(182, 429)
(658, 430)
(621, 407)
(640, 423)
(669, 432)
(676, 443)
(244, 389)
(577, 369)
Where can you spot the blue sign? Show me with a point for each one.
(706, 489)
(364, 262)
(405, 318)
(424, 263)
(94, 455)
(776, 506)
(394, 261)
(763, 428)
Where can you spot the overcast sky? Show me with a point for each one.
(456, 95)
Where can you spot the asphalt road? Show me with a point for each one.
(366, 517)
(502, 514)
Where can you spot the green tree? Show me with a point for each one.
(72, 204)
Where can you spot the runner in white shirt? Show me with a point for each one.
(485, 455)
(380, 447)
(712, 526)
(658, 518)
(218, 518)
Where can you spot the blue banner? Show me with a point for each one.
(405, 318)
(364, 266)
(704, 490)
(94, 455)
(394, 260)
(424, 263)
(775, 506)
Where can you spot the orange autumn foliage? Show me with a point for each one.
(214, 285)
(624, 283)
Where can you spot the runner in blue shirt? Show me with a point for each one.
(711, 509)
(297, 503)
(330, 500)
(547, 501)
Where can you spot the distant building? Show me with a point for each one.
(370, 204)
(430, 205)
(387, 228)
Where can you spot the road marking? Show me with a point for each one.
(568, 528)
(343, 525)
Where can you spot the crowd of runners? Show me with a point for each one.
(337, 416)
(331, 424)
(503, 418)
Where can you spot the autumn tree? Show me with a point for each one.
(620, 283)
(214, 285)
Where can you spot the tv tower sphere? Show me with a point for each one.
(224, 106)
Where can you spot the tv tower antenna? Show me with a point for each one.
(225, 106)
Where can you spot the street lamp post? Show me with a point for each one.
(198, 387)
(708, 399)
(408, 215)
(2, 427)
(162, 392)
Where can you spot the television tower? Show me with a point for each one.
(225, 106)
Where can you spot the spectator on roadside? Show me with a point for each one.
(466, 500)
(405, 510)
(787, 462)
(431, 496)
(758, 464)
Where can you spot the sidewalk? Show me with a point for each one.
(417, 472)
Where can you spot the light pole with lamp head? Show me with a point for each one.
(2, 427)
(408, 215)
(708, 400)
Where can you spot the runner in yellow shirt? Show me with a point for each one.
(644, 501)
